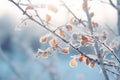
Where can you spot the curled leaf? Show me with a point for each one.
(43, 39)
(65, 50)
(73, 63)
(52, 42)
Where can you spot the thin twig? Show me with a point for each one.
(112, 72)
(80, 21)
(113, 4)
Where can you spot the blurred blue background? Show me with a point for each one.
(18, 62)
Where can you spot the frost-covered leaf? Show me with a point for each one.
(94, 24)
(92, 14)
(81, 58)
(29, 8)
(86, 60)
(43, 39)
(42, 5)
(65, 50)
(52, 42)
(84, 5)
(61, 33)
(39, 53)
(73, 63)
(45, 55)
(84, 40)
(92, 64)
(55, 47)
(52, 8)
(72, 20)
(69, 27)
(47, 18)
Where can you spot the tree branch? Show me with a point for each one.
(96, 48)
(76, 49)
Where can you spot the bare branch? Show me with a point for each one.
(96, 48)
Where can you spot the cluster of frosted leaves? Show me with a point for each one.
(73, 31)
(54, 45)
(80, 58)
